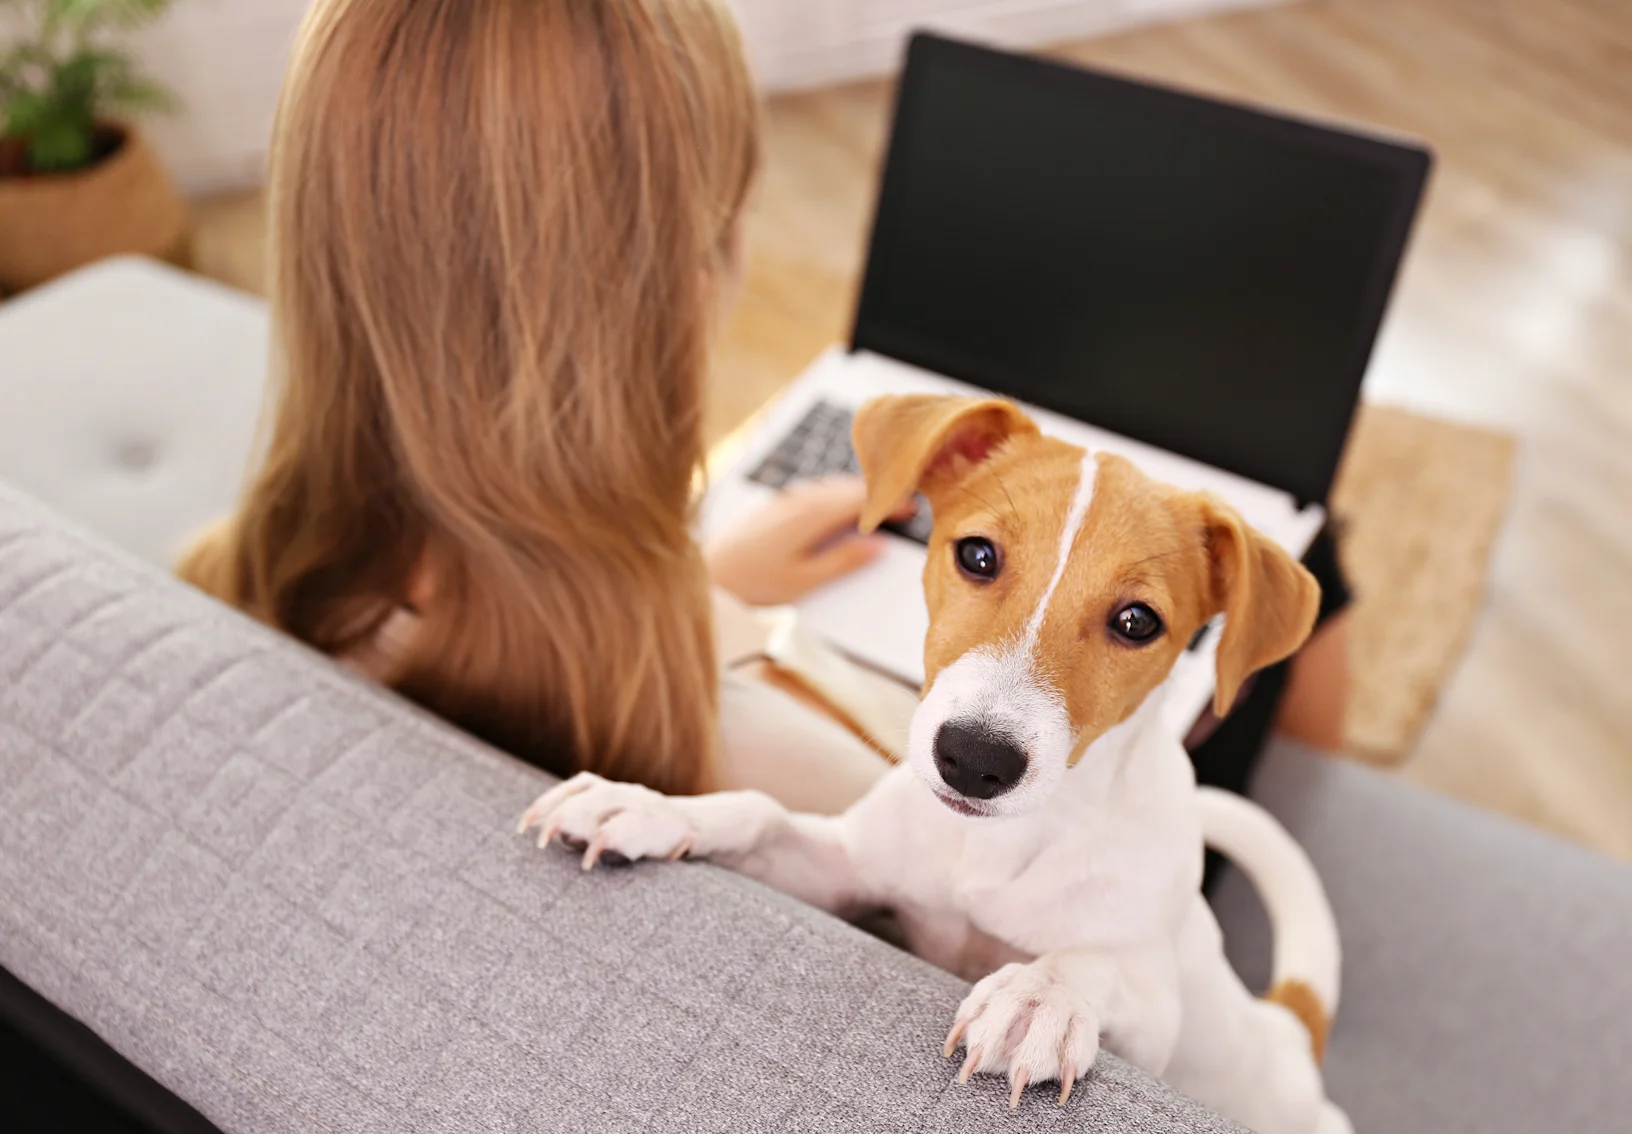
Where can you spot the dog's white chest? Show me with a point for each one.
(1000, 904)
(972, 897)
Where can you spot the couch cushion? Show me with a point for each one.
(129, 392)
(1486, 975)
(300, 904)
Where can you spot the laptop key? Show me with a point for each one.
(819, 445)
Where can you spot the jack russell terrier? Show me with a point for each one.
(1044, 837)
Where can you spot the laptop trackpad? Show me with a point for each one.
(878, 613)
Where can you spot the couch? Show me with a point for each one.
(298, 904)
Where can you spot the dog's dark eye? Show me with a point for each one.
(977, 558)
(1136, 623)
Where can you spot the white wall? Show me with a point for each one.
(808, 43)
(225, 58)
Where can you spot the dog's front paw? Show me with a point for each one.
(1027, 1022)
(606, 818)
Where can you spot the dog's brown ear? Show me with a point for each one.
(908, 442)
(1268, 598)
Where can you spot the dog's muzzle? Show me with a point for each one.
(977, 763)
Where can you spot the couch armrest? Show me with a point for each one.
(299, 904)
(1486, 983)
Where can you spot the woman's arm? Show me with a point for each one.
(1314, 707)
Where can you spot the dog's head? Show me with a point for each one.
(1062, 585)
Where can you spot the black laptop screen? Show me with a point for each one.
(1198, 276)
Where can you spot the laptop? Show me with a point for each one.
(1193, 284)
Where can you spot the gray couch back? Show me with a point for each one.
(298, 903)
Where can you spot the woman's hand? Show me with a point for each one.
(795, 543)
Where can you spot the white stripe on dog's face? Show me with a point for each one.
(997, 690)
(1080, 499)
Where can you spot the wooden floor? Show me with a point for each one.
(1515, 310)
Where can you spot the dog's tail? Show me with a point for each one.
(1308, 957)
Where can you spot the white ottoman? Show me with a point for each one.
(129, 392)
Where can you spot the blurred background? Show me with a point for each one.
(1488, 482)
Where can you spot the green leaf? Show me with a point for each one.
(131, 94)
(88, 68)
(81, 17)
(53, 87)
(17, 64)
(141, 11)
(76, 79)
(25, 112)
(94, 58)
(75, 16)
(30, 54)
(60, 146)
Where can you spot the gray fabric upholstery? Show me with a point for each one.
(299, 904)
(1487, 982)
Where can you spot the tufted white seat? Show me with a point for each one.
(129, 392)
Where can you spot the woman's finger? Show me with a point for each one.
(907, 511)
(831, 504)
(840, 558)
(844, 496)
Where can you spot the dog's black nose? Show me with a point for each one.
(976, 763)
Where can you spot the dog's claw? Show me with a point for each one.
(547, 834)
(529, 817)
(1066, 1079)
(969, 1065)
(552, 799)
(953, 1037)
(683, 849)
(593, 854)
(1014, 1095)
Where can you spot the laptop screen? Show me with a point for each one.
(1198, 276)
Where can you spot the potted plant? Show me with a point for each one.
(78, 181)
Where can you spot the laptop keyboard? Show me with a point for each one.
(819, 445)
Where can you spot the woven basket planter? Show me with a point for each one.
(125, 203)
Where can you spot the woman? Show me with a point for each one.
(501, 236)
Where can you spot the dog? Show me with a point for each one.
(1044, 837)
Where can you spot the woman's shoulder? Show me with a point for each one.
(207, 562)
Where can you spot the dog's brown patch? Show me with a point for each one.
(1300, 1000)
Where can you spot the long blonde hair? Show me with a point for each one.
(498, 227)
